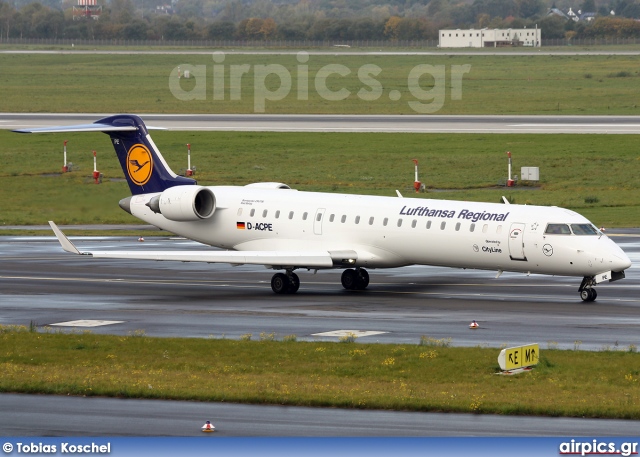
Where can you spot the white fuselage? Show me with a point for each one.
(391, 231)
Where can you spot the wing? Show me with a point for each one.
(280, 259)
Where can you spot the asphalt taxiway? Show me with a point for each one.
(40, 284)
(93, 416)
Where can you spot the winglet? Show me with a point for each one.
(62, 238)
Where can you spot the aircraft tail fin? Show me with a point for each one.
(142, 163)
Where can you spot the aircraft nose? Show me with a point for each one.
(619, 259)
(620, 262)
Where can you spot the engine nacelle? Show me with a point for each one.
(184, 203)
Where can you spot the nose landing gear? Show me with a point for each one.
(586, 290)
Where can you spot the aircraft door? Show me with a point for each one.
(516, 241)
(317, 221)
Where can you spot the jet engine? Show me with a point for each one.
(184, 203)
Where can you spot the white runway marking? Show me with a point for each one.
(355, 333)
(86, 323)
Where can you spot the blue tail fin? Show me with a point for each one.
(143, 165)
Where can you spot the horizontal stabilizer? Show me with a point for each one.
(81, 128)
(96, 127)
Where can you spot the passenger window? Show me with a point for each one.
(332, 217)
(371, 221)
(264, 213)
(343, 219)
(458, 227)
(278, 214)
(413, 223)
(319, 217)
(499, 229)
(304, 216)
(253, 211)
(472, 227)
(428, 225)
(239, 211)
(485, 228)
(399, 222)
(290, 214)
(443, 225)
(357, 219)
(557, 229)
(385, 221)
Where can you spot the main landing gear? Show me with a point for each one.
(587, 292)
(357, 279)
(289, 283)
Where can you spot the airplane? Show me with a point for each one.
(270, 224)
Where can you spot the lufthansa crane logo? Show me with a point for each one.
(139, 164)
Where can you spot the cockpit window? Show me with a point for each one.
(557, 229)
(584, 229)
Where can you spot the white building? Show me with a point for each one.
(489, 38)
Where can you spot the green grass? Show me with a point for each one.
(504, 84)
(593, 174)
(347, 375)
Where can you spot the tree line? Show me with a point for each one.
(304, 20)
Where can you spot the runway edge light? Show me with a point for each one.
(208, 427)
(519, 358)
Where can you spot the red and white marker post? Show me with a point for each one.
(416, 183)
(510, 182)
(96, 173)
(65, 167)
(189, 171)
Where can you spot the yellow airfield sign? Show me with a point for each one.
(519, 357)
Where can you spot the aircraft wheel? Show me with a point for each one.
(588, 295)
(294, 283)
(349, 279)
(363, 279)
(280, 283)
